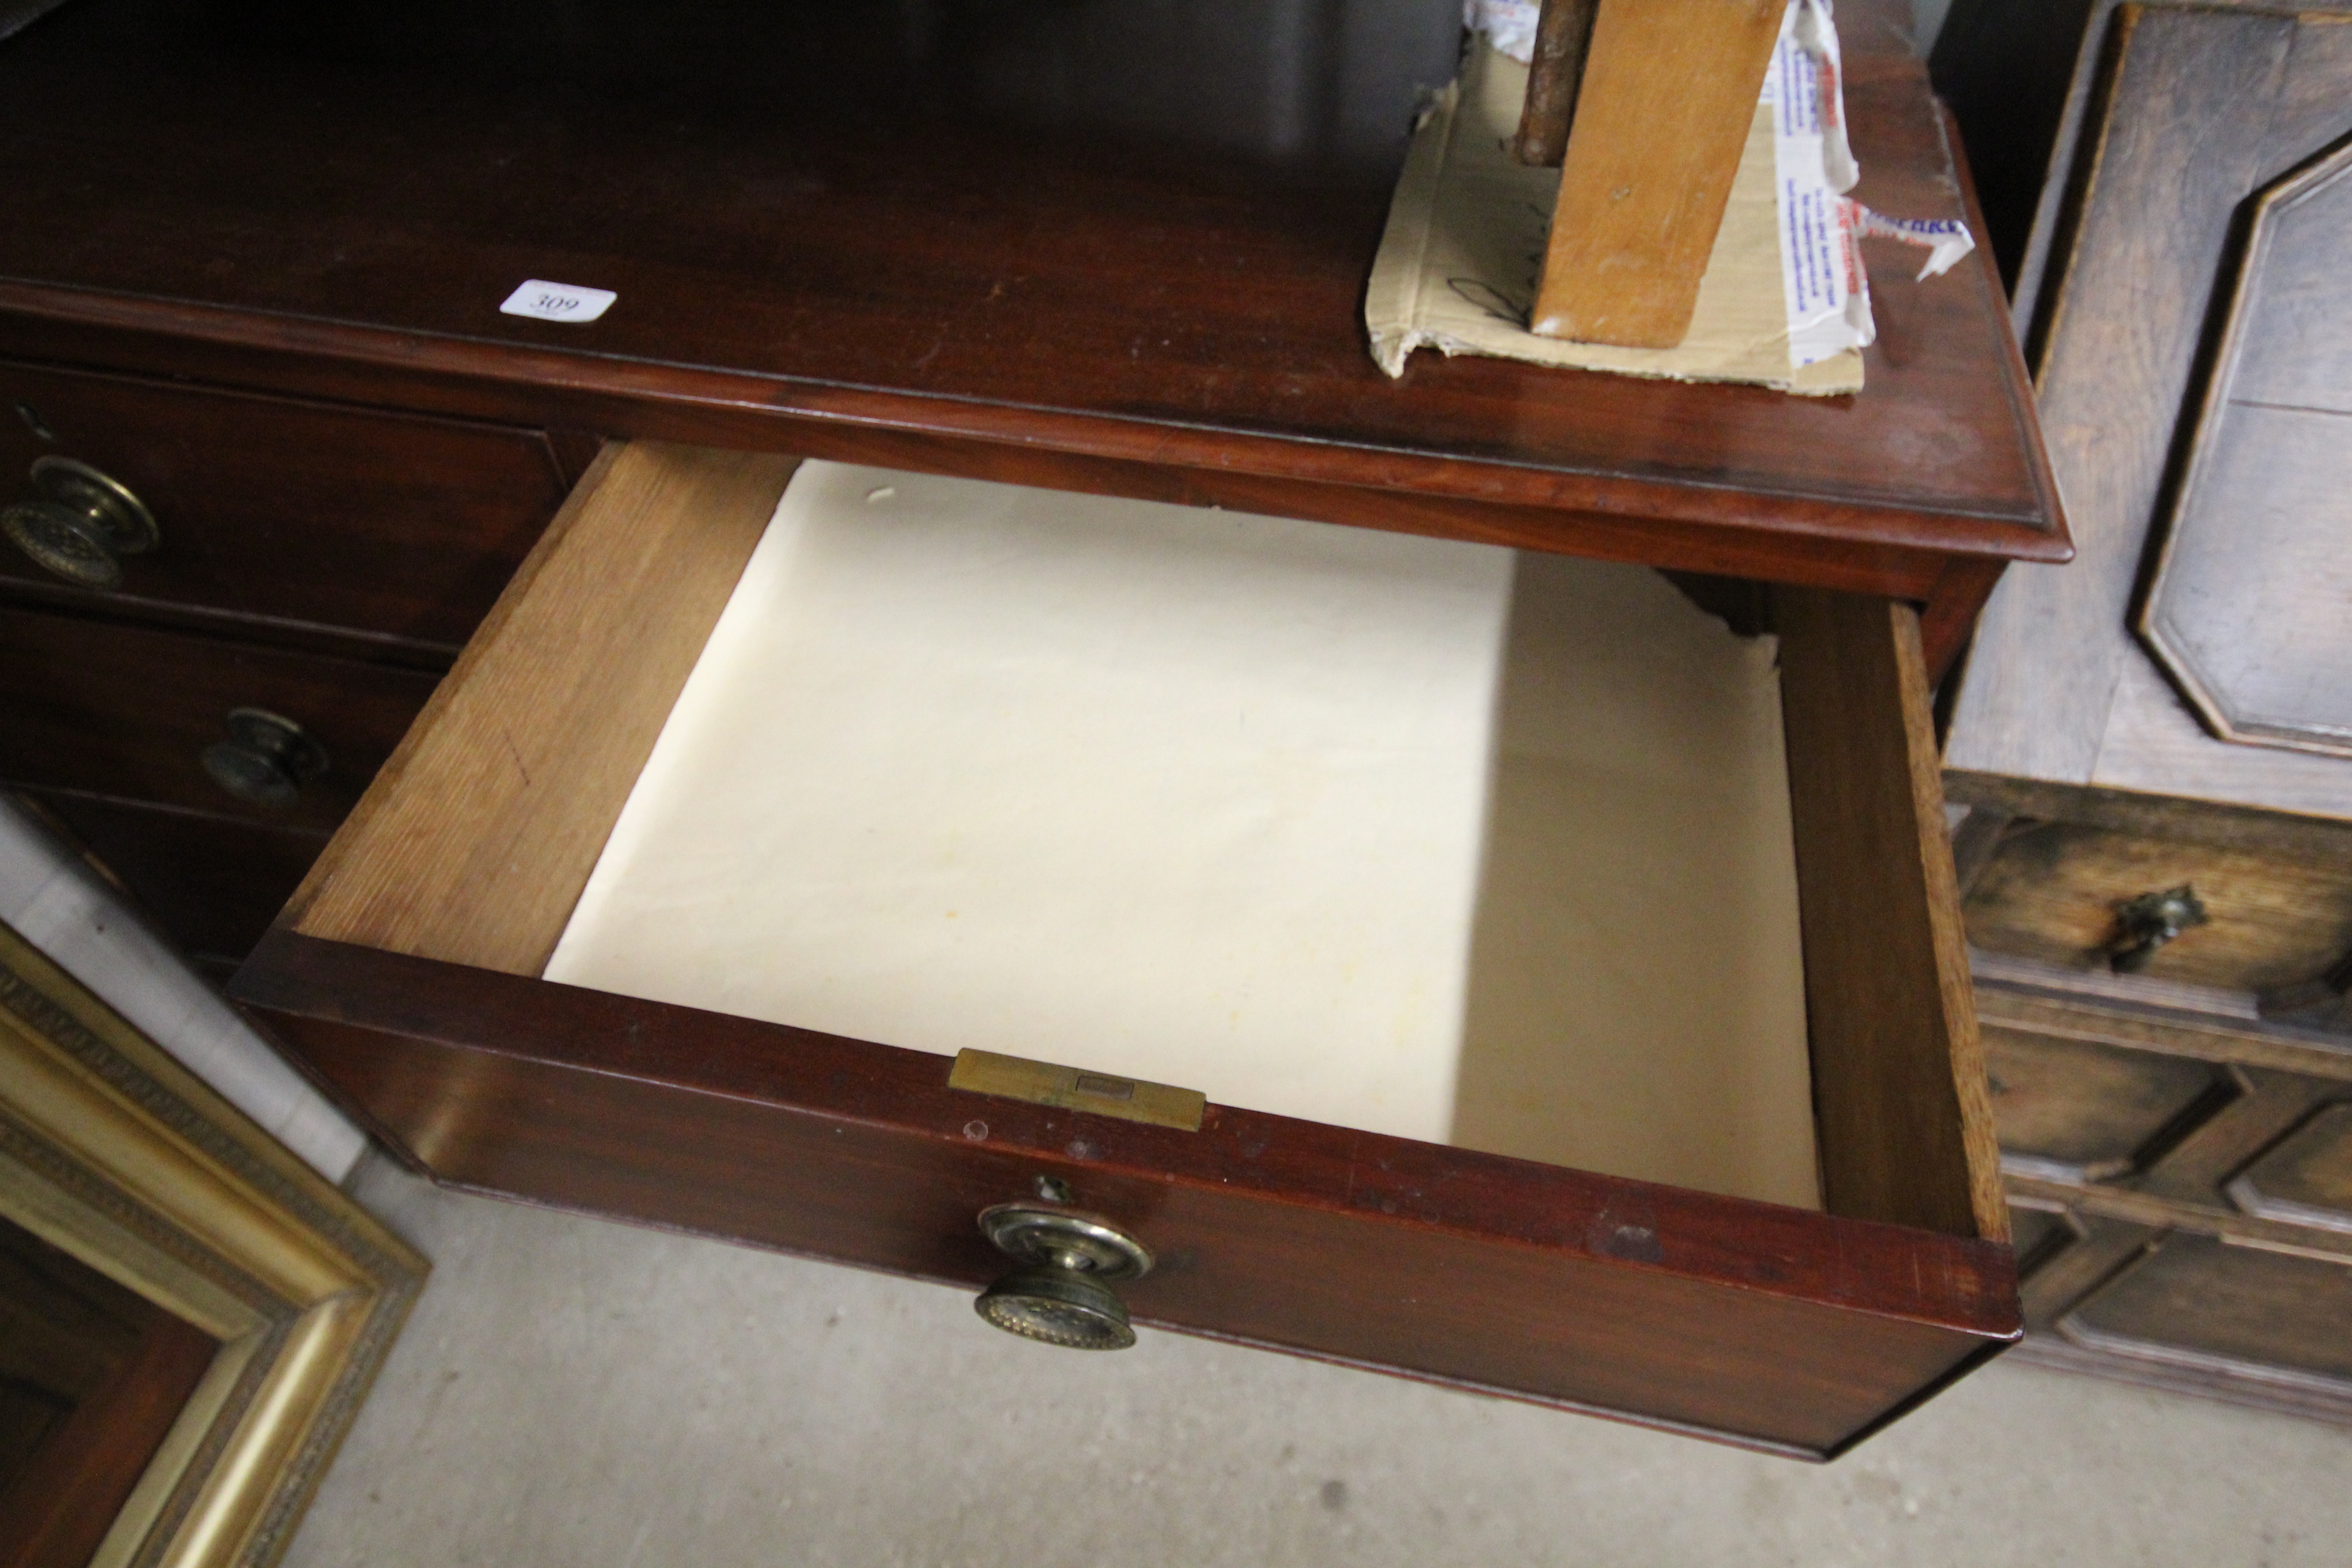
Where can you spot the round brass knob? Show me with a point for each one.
(83, 524)
(1061, 1292)
(266, 760)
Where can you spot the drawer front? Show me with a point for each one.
(2275, 907)
(213, 885)
(1778, 1328)
(2202, 1300)
(2084, 1111)
(383, 523)
(2182, 1190)
(407, 972)
(2181, 1307)
(129, 711)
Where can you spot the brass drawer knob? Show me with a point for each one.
(1061, 1292)
(83, 524)
(266, 760)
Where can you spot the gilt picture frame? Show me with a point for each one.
(112, 1152)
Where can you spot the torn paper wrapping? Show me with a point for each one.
(1811, 26)
(1508, 25)
(1945, 240)
(1822, 228)
(1824, 288)
(1458, 266)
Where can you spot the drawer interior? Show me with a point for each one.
(1664, 911)
(1405, 835)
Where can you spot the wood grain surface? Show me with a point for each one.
(1904, 1127)
(2178, 116)
(2154, 744)
(1508, 1275)
(482, 830)
(2183, 1185)
(2279, 836)
(2051, 864)
(475, 840)
(328, 206)
(2246, 602)
(2027, 76)
(2087, 1111)
(1773, 1326)
(2139, 1026)
(2185, 136)
(2197, 1300)
(977, 292)
(2185, 1178)
(2309, 1177)
(2051, 892)
(1661, 118)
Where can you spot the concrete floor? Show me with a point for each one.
(582, 1395)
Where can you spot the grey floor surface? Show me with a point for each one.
(579, 1393)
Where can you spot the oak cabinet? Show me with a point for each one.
(2155, 858)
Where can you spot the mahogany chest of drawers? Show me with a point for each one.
(255, 272)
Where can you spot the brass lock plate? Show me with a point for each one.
(1075, 1088)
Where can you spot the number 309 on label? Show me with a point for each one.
(558, 301)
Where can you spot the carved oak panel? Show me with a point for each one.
(2307, 1178)
(2079, 1111)
(2250, 608)
(2199, 1302)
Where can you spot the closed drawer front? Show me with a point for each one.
(131, 712)
(2200, 1300)
(2182, 1189)
(2176, 1305)
(390, 524)
(2082, 1110)
(213, 885)
(2273, 896)
(409, 971)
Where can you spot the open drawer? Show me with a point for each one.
(409, 973)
